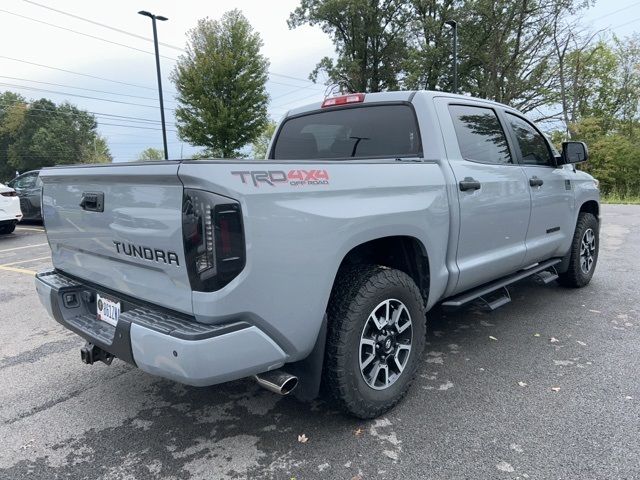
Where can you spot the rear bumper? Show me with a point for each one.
(10, 213)
(158, 341)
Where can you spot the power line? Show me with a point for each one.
(125, 32)
(626, 23)
(289, 93)
(294, 101)
(119, 117)
(608, 14)
(78, 73)
(122, 134)
(81, 88)
(80, 96)
(138, 144)
(84, 34)
(135, 126)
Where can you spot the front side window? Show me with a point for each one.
(358, 132)
(480, 135)
(26, 181)
(533, 146)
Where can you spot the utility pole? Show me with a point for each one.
(155, 43)
(454, 26)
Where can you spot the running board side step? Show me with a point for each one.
(487, 288)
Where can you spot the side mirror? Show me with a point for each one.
(574, 152)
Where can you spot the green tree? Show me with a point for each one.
(12, 113)
(428, 61)
(100, 153)
(506, 49)
(614, 157)
(261, 144)
(151, 154)
(221, 85)
(41, 133)
(369, 38)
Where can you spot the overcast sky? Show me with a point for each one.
(292, 53)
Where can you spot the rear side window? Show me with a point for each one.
(357, 132)
(533, 146)
(480, 135)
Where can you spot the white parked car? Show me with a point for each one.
(10, 212)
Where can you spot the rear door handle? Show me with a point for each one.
(535, 181)
(469, 184)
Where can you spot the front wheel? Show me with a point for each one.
(377, 330)
(583, 255)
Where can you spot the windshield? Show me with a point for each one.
(356, 132)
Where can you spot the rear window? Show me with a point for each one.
(357, 132)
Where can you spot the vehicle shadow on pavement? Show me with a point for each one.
(238, 430)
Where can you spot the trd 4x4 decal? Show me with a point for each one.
(292, 177)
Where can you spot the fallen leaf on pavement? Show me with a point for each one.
(555, 389)
(553, 340)
(581, 343)
(491, 337)
(303, 438)
(536, 334)
(595, 311)
(523, 384)
(358, 432)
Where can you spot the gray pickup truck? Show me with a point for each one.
(319, 263)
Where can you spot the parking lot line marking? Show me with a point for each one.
(17, 270)
(26, 246)
(31, 229)
(25, 261)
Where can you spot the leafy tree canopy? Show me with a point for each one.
(151, 154)
(221, 85)
(261, 144)
(40, 134)
(369, 37)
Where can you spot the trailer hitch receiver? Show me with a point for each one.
(91, 353)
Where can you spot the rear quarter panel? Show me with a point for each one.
(297, 235)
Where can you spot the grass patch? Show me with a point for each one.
(624, 200)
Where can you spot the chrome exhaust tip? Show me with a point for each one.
(277, 381)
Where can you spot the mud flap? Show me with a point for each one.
(309, 370)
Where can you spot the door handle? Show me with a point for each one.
(535, 181)
(469, 184)
(92, 201)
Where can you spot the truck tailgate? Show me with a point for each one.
(132, 243)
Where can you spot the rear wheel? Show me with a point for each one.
(376, 335)
(4, 229)
(583, 253)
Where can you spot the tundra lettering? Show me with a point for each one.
(146, 253)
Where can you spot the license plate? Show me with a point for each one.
(108, 310)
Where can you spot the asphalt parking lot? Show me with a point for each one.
(546, 387)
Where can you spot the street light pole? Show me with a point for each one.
(454, 26)
(155, 43)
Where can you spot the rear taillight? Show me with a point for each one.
(213, 236)
(343, 100)
(9, 194)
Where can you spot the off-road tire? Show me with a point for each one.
(575, 277)
(357, 291)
